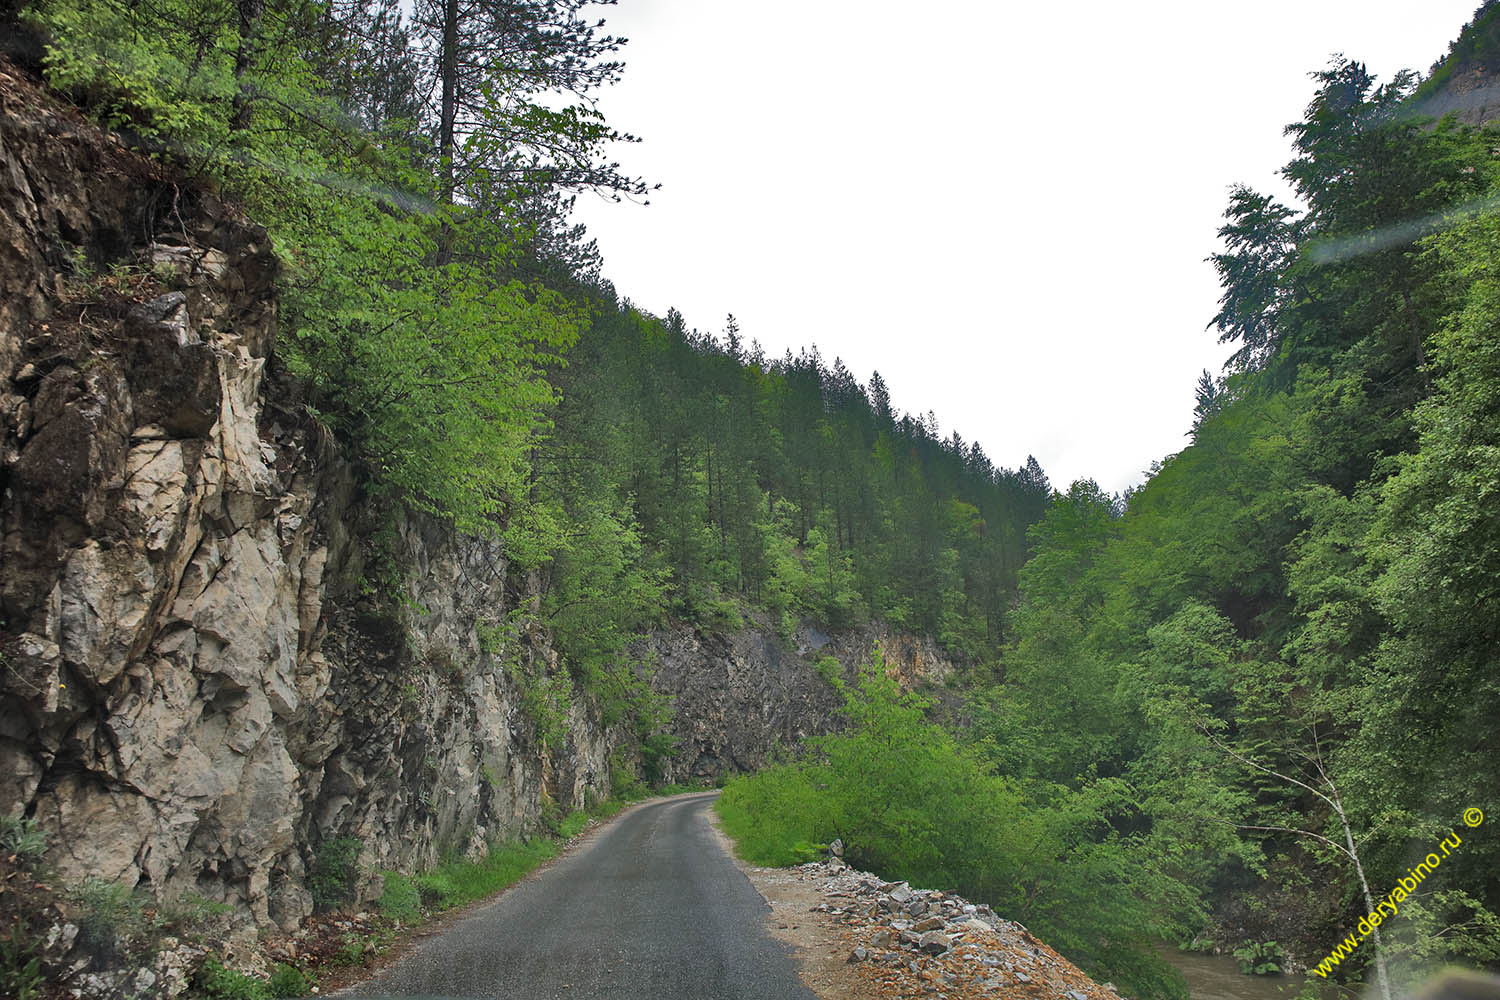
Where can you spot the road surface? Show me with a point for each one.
(650, 907)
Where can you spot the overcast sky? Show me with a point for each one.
(1003, 208)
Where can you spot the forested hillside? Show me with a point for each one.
(1311, 584)
(1242, 706)
(1238, 705)
(786, 483)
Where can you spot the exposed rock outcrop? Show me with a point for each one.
(199, 687)
(741, 695)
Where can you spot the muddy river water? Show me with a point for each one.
(1218, 977)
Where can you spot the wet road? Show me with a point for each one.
(649, 907)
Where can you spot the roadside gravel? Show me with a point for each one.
(857, 937)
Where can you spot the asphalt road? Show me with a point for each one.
(650, 907)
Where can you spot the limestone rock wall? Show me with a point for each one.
(741, 695)
(200, 684)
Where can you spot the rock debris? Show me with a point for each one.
(922, 943)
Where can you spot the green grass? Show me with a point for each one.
(401, 900)
(457, 881)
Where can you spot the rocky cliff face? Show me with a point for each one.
(201, 685)
(742, 695)
(199, 689)
(1464, 82)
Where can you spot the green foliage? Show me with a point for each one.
(190, 916)
(20, 965)
(400, 899)
(573, 824)
(547, 700)
(457, 881)
(784, 485)
(357, 950)
(419, 348)
(334, 872)
(1477, 47)
(217, 981)
(1296, 610)
(435, 372)
(287, 981)
(147, 83)
(112, 919)
(624, 783)
(910, 802)
(831, 670)
(24, 839)
(1259, 958)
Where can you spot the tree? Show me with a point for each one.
(496, 63)
(1210, 399)
(1261, 238)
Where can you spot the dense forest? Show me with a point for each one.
(1237, 705)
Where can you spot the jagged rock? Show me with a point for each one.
(928, 924)
(175, 966)
(59, 939)
(741, 694)
(934, 943)
(858, 955)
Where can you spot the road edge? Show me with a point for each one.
(339, 982)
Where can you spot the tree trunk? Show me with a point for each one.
(448, 109)
(1364, 885)
(250, 13)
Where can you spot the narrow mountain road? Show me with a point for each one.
(650, 907)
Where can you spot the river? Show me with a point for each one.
(1218, 977)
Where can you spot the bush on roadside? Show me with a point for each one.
(335, 870)
(400, 900)
(288, 981)
(217, 981)
(911, 803)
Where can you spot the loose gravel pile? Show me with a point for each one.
(925, 943)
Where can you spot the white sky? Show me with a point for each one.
(1003, 208)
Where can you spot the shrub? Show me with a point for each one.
(219, 982)
(112, 918)
(190, 916)
(573, 825)
(400, 900)
(335, 869)
(288, 981)
(1259, 958)
(24, 839)
(910, 803)
(456, 881)
(20, 966)
(624, 783)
